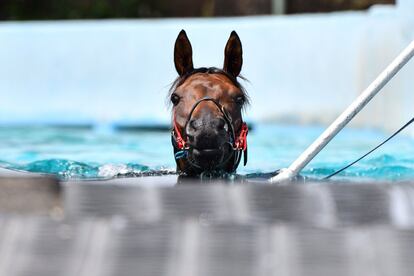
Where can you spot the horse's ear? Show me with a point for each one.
(183, 54)
(233, 55)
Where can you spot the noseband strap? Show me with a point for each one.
(238, 144)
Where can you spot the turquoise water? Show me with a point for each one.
(88, 153)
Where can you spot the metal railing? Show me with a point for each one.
(366, 96)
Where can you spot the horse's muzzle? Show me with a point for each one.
(210, 158)
(208, 137)
(210, 142)
(206, 159)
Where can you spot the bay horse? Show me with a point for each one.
(208, 133)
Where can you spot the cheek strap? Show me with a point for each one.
(176, 134)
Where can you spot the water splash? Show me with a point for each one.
(86, 154)
(69, 169)
(61, 168)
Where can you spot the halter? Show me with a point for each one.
(238, 144)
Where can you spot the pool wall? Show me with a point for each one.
(301, 68)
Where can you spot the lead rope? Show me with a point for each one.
(371, 151)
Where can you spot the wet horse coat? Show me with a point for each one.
(209, 134)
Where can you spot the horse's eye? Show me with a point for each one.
(240, 100)
(175, 99)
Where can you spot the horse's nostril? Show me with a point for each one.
(207, 127)
(192, 124)
(190, 138)
(221, 123)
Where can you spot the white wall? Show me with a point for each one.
(302, 68)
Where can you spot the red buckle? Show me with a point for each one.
(180, 143)
(241, 142)
(178, 138)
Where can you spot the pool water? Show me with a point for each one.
(91, 153)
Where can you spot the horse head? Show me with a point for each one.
(208, 129)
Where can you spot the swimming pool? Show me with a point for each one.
(71, 152)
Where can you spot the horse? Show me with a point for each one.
(208, 132)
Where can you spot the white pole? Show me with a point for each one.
(345, 117)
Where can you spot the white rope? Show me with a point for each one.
(363, 99)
